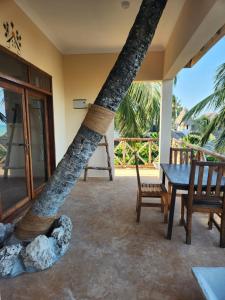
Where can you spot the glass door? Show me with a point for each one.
(14, 154)
(38, 136)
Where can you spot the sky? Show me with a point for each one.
(196, 83)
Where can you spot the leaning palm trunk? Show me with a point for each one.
(41, 215)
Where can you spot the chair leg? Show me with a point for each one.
(162, 205)
(139, 208)
(169, 194)
(181, 223)
(137, 202)
(85, 174)
(210, 222)
(189, 227)
(222, 230)
(165, 208)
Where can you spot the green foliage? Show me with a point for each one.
(215, 101)
(139, 112)
(154, 135)
(142, 151)
(195, 139)
(211, 158)
(192, 138)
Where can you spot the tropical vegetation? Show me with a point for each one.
(139, 116)
(139, 112)
(216, 102)
(142, 151)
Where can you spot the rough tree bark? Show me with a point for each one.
(116, 85)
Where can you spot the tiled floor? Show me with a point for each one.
(111, 257)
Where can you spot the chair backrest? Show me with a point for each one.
(137, 170)
(181, 155)
(206, 181)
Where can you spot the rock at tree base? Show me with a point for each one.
(5, 231)
(39, 254)
(9, 257)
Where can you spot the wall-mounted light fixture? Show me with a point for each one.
(80, 103)
(125, 4)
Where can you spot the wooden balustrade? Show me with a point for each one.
(201, 153)
(146, 149)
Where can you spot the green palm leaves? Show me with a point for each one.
(215, 101)
(139, 112)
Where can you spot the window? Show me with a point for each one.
(17, 68)
(12, 67)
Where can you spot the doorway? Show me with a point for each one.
(24, 145)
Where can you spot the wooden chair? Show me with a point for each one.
(179, 156)
(206, 198)
(150, 190)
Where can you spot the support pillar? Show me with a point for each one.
(165, 121)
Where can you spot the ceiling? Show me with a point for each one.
(94, 26)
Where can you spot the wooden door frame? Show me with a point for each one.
(49, 123)
(43, 98)
(21, 202)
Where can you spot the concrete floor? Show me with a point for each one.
(111, 257)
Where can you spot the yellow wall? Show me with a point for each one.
(84, 75)
(37, 49)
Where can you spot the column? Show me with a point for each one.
(165, 121)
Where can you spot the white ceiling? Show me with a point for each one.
(94, 26)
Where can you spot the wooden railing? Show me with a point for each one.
(201, 153)
(147, 150)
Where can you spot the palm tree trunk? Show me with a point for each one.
(86, 141)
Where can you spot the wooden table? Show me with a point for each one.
(178, 176)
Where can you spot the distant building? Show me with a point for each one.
(178, 135)
(184, 127)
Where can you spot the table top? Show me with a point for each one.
(179, 175)
(211, 281)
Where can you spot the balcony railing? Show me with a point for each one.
(200, 153)
(147, 151)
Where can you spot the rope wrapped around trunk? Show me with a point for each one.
(98, 118)
(32, 225)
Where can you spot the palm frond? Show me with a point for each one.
(215, 124)
(215, 101)
(139, 110)
(198, 108)
(125, 118)
(209, 130)
(219, 82)
(220, 142)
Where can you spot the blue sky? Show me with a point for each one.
(196, 83)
